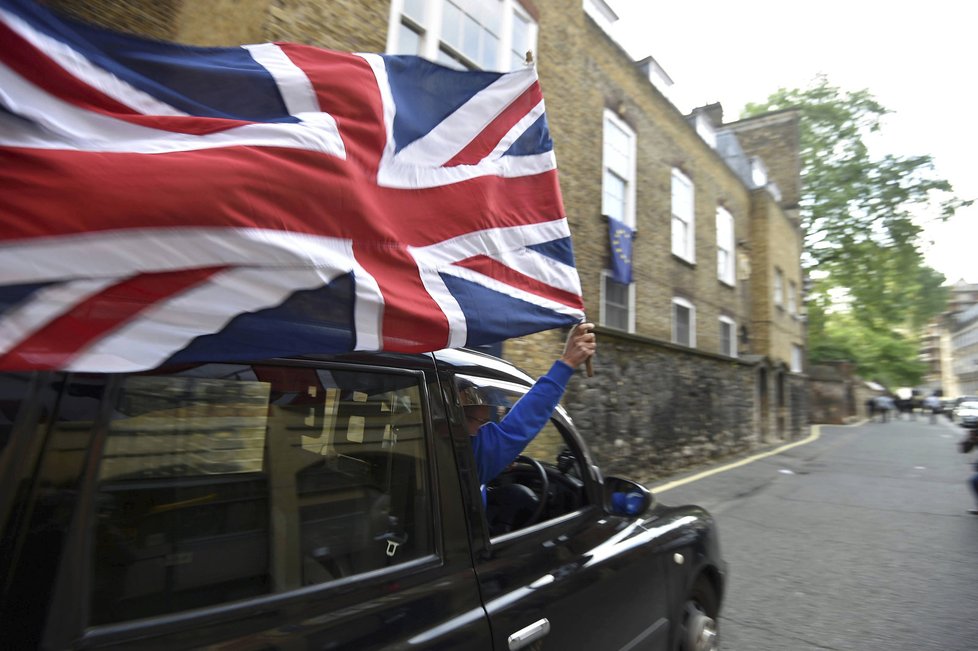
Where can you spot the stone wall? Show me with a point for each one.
(831, 401)
(838, 396)
(652, 409)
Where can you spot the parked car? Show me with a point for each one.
(959, 403)
(966, 414)
(326, 502)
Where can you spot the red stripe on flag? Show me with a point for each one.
(57, 343)
(34, 65)
(346, 88)
(54, 193)
(483, 144)
(496, 270)
(413, 321)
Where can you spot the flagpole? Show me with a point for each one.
(588, 368)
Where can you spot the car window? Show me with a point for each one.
(13, 387)
(513, 498)
(222, 482)
(57, 427)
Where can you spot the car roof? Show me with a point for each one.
(463, 360)
(458, 360)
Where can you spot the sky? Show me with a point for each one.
(917, 59)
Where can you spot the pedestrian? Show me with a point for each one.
(932, 405)
(884, 403)
(967, 444)
(871, 408)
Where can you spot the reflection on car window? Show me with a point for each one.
(223, 482)
(13, 388)
(62, 417)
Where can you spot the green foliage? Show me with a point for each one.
(862, 222)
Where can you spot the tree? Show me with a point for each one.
(872, 291)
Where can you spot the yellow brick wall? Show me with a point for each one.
(583, 72)
(775, 244)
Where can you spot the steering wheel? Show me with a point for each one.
(542, 493)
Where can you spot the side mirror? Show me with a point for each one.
(626, 497)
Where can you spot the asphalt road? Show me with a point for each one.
(859, 540)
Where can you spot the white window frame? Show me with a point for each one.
(682, 302)
(611, 164)
(797, 358)
(601, 13)
(603, 320)
(778, 288)
(726, 242)
(725, 320)
(683, 212)
(792, 298)
(432, 47)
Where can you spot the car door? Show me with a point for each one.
(289, 504)
(574, 580)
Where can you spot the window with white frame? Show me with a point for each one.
(617, 303)
(728, 336)
(797, 361)
(683, 322)
(602, 13)
(484, 34)
(683, 225)
(618, 183)
(778, 288)
(725, 246)
(792, 298)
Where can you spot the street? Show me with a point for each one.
(859, 540)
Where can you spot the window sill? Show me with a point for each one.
(686, 261)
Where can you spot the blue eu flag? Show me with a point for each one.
(620, 236)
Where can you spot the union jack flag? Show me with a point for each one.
(164, 203)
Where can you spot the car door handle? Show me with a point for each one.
(529, 634)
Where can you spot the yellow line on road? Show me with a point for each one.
(816, 432)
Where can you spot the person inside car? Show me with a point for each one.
(497, 444)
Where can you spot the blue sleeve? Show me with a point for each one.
(498, 444)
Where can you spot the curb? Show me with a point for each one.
(816, 433)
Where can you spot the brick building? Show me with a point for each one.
(701, 356)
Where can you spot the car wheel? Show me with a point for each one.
(698, 631)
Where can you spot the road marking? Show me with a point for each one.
(816, 432)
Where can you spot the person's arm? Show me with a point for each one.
(498, 444)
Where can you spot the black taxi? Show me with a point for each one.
(327, 503)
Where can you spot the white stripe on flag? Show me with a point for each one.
(368, 312)
(168, 326)
(60, 125)
(395, 174)
(398, 172)
(78, 66)
(510, 290)
(438, 290)
(456, 131)
(293, 84)
(44, 306)
(116, 254)
(508, 246)
(517, 130)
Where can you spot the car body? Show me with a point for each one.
(325, 502)
(959, 405)
(966, 414)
